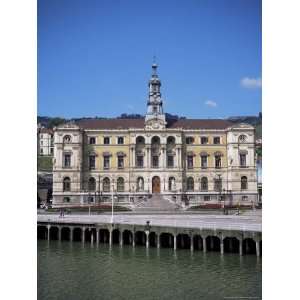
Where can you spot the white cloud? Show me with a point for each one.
(211, 103)
(251, 83)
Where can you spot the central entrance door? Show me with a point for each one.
(155, 184)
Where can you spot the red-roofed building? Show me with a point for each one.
(186, 161)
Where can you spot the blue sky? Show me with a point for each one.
(94, 57)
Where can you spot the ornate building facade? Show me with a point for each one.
(190, 161)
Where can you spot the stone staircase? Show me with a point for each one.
(156, 203)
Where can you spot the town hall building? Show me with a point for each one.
(189, 162)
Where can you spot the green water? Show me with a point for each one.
(72, 271)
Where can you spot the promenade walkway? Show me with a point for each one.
(231, 222)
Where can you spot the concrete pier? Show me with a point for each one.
(51, 227)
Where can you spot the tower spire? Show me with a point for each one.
(155, 103)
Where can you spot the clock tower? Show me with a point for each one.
(155, 118)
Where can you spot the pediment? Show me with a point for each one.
(155, 124)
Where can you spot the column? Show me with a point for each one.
(147, 158)
(121, 238)
(133, 239)
(48, 232)
(147, 239)
(204, 243)
(179, 158)
(83, 234)
(241, 247)
(257, 248)
(92, 237)
(222, 245)
(97, 236)
(71, 233)
(158, 241)
(164, 156)
(192, 242)
(110, 237)
(59, 233)
(175, 241)
(133, 157)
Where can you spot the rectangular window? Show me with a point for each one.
(206, 198)
(218, 162)
(242, 160)
(51, 150)
(92, 162)
(106, 162)
(106, 140)
(204, 140)
(217, 140)
(244, 198)
(170, 161)
(92, 140)
(67, 160)
(140, 161)
(120, 162)
(155, 161)
(190, 163)
(41, 151)
(41, 143)
(120, 140)
(189, 140)
(218, 185)
(203, 162)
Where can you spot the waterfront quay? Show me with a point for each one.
(225, 234)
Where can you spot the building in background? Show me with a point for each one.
(194, 161)
(45, 141)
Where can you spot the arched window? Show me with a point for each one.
(140, 184)
(204, 184)
(106, 184)
(190, 184)
(67, 184)
(244, 183)
(67, 139)
(139, 150)
(242, 138)
(155, 150)
(92, 184)
(120, 184)
(171, 184)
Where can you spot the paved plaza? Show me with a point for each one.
(232, 222)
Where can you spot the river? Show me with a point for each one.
(73, 271)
